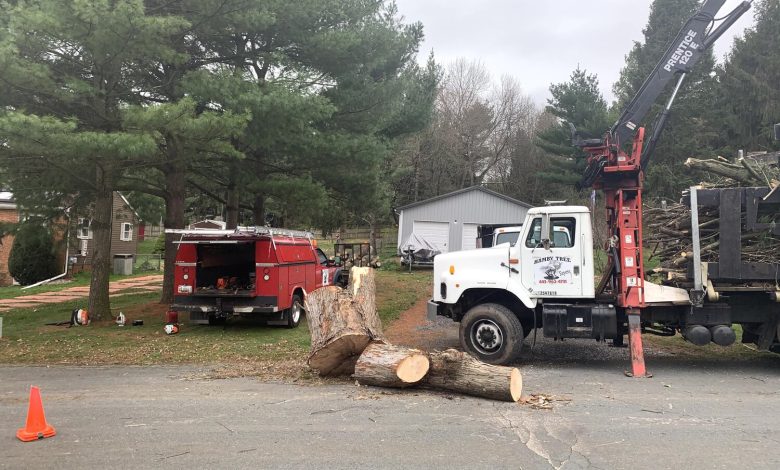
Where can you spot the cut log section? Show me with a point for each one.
(458, 372)
(342, 323)
(387, 365)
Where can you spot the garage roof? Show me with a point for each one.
(465, 190)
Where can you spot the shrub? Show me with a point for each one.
(32, 256)
(159, 245)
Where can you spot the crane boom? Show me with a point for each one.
(696, 36)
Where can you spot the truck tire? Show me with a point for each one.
(295, 312)
(492, 334)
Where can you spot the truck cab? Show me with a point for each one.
(500, 294)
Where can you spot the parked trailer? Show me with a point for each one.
(251, 271)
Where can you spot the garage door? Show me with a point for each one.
(469, 237)
(435, 233)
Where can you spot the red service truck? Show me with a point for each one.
(250, 271)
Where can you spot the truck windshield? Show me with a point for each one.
(321, 257)
(507, 237)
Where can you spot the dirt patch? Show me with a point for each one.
(413, 329)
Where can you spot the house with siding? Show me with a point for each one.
(125, 223)
(451, 222)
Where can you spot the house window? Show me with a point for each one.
(127, 232)
(83, 246)
(84, 230)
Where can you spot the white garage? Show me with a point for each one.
(450, 222)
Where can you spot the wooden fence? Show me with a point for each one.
(386, 238)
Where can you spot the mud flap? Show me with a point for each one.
(432, 310)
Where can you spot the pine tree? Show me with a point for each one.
(577, 102)
(748, 88)
(67, 69)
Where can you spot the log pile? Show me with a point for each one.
(667, 233)
(755, 169)
(357, 254)
(347, 339)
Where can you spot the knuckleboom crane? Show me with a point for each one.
(619, 173)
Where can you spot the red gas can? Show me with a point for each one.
(171, 316)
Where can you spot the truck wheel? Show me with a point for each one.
(295, 312)
(491, 333)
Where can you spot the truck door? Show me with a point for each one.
(552, 263)
(322, 273)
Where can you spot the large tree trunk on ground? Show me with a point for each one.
(458, 372)
(362, 286)
(175, 187)
(99, 305)
(342, 323)
(386, 365)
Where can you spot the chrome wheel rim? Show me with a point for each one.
(296, 312)
(486, 336)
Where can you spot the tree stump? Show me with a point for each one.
(387, 365)
(458, 372)
(342, 323)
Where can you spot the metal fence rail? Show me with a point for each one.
(148, 262)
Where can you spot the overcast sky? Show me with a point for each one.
(541, 42)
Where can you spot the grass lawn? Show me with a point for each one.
(242, 347)
(147, 246)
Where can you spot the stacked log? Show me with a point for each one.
(346, 339)
(755, 169)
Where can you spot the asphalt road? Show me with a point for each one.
(693, 414)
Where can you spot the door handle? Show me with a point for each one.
(504, 265)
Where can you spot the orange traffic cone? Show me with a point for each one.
(37, 427)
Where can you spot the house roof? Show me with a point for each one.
(462, 191)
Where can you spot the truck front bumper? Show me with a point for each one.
(432, 310)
